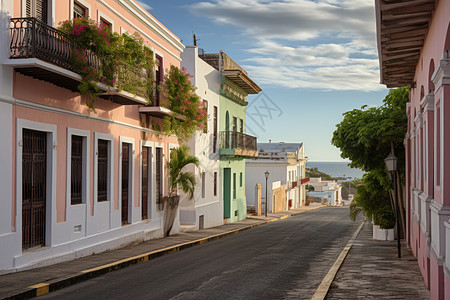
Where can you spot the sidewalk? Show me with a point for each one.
(36, 282)
(372, 270)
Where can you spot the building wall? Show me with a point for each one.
(428, 166)
(238, 208)
(205, 204)
(255, 175)
(77, 230)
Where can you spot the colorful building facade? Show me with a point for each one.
(206, 208)
(74, 181)
(414, 50)
(234, 144)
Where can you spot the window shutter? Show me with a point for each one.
(41, 10)
(28, 8)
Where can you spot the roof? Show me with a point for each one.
(401, 31)
(231, 70)
(278, 147)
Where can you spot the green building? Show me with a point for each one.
(234, 144)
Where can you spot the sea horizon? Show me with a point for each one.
(336, 169)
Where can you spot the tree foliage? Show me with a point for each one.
(366, 136)
(180, 158)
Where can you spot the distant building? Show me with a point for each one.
(285, 163)
(331, 187)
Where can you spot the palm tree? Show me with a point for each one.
(179, 158)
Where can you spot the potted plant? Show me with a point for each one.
(179, 158)
(385, 219)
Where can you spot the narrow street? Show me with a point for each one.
(279, 260)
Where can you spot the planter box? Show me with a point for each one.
(386, 234)
(376, 228)
(382, 234)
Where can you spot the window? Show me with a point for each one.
(79, 11)
(203, 184)
(158, 175)
(234, 185)
(37, 9)
(159, 75)
(234, 124)
(240, 179)
(76, 170)
(215, 183)
(215, 130)
(102, 170)
(205, 124)
(106, 23)
(241, 129)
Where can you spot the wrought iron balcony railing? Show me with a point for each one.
(237, 140)
(31, 38)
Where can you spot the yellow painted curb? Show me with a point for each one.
(324, 286)
(41, 289)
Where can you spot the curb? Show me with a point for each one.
(324, 286)
(40, 289)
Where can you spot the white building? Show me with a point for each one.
(331, 187)
(285, 163)
(205, 209)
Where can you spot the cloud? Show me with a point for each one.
(144, 5)
(322, 44)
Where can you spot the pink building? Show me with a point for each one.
(414, 49)
(74, 182)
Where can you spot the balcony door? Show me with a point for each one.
(37, 9)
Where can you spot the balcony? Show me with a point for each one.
(237, 144)
(158, 109)
(45, 53)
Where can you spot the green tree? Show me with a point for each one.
(179, 159)
(366, 136)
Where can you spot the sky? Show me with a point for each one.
(313, 59)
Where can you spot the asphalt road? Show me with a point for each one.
(280, 260)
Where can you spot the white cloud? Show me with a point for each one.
(322, 44)
(144, 5)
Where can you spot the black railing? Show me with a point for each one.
(31, 38)
(237, 140)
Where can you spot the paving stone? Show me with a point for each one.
(372, 270)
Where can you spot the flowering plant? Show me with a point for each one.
(178, 95)
(117, 60)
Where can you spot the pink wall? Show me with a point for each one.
(36, 91)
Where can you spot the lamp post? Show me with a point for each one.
(267, 177)
(391, 166)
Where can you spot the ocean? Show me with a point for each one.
(336, 169)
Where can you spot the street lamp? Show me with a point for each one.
(267, 177)
(391, 166)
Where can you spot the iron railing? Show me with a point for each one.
(237, 140)
(31, 38)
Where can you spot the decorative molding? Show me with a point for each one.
(441, 75)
